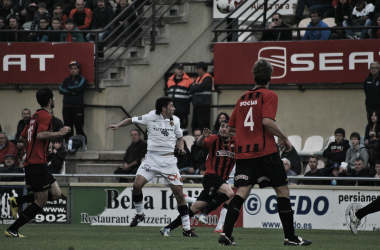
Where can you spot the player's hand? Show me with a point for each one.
(288, 144)
(377, 175)
(181, 151)
(20, 145)
(65, 130)
(113, 127)
(206, 132)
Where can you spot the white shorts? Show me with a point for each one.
(165, 166)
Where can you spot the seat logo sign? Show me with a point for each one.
(277, 57)
(253, 204)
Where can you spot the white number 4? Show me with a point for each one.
(248, 122)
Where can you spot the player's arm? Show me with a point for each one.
(123, 123)
(231, 130)
(206, 133)
(273, 128)
(180, 146)
(46, 135)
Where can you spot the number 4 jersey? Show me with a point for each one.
(252, 139)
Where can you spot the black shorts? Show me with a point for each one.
(267, 171)
(38, 178)
(211, 183)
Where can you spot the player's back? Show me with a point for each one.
(252, 139)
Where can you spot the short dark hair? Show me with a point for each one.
(355, 135)
(13, 17)
(315, 12)
(58, 5)
(44, 95)
(197, 129)
(44, 17)
(162, 102)
(262, 71)
(70, 20)
(58, 139)
(224, 121)
(357, 2)
(56, 18)
(25, 109)
(42, 5)
(377, 162)
(279, 15)
(314, 157)
(138, 131)
(360, 159)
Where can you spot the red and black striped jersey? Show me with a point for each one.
(36, 149)
(221, 156)
(252, 139)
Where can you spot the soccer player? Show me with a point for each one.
(36, 136)
(219, 164)
(357, 214)
(257, 160)
(164, 133)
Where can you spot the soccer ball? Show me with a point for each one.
(225, 6)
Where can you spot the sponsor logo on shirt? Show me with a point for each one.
(248, 103)
(221, 153)
(171, 123)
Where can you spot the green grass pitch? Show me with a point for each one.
(55, 237)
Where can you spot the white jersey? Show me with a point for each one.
(162, 133)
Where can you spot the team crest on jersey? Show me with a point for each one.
(146, 168)
(171, 123)
(232, 145)
(139, 118)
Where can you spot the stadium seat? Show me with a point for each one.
(296, 141)
(189, 139)
(27, 25)
(303, 24)
(321, 164)
(312, 145)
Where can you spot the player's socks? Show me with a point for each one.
(184, 213)
(137, 201)
(215, 203)
(286, 216)
(222, 218)
(28, 214)
(29, 198)
(233, 213)
(189, 199)
(369, 209)
(178, 221)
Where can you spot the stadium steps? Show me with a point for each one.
(96, 168)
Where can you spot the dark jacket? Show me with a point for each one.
(336, 152)
(11, 37)
(201, 90)
(100, 19)
(362, 173)
(20, 127)
(372, 93)
(271, 35)
(294, 159)
(198, 156)
(56, 160)
(57, 124)
(318, 173)
(72, 89)
(11, 170)
(55, 36)
(341, 11)
(135, 152)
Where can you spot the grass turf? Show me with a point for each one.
(111, 237)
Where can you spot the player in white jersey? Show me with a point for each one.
(164, 132)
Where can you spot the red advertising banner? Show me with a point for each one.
(333, 61)
(24, 63)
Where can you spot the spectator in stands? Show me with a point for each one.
(336, 151)
(31, 6)
(372, 89)
(43, 25)
(56, 123)
(342, 12)
(93, 4)
(3, 37)
(81, 15)
(25, 114)
(360, 171)
(289, 172)
(8, 10)
(375, 33)
(221, 117)
(56, 157)
(42, 11)
(178, 89)
(355, 151)
(71, 37)
(10, 168)
(130, 16)
(201, 91)
(372, 137)
(362, 15)
(377, 175)
(324, 7)
(133, 156)
(7, 147)
(55, 25)
(271, 35)
(316, 22)
(101, 17)
(58, 12)
(13, 25)
(314, 172)
(198, 154)
(72, 89)
(337, 171)
(183, 160)
(68, 5)
(290, 154)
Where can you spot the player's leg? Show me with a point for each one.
(357, 214)
(137, 197)
(16, 202)
(222, 218)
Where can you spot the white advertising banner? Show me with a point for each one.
(313, 209)
(285, 10)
